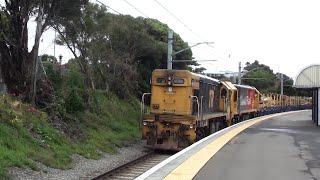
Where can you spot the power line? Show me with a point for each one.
(174, 16)
(45, 50)
(108, 7)
(149, 17)
(136, 8)
(180, 21)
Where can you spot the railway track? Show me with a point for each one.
(134, 168)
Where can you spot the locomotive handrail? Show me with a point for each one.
(197, 104)
(225, 99)
(201, 107)
(142, 106)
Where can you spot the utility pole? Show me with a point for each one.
(281, 82)
(170, 42)
(239, 75)
(170, 61)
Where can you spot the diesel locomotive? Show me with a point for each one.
(185, 107)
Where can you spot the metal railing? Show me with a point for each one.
(143, 106)
(201, 105)
(195, 97)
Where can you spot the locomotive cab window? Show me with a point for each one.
(161, 80)
(223, 93)
(235, 96)
(178, 81)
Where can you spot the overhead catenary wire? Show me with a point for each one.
(45, 50)
(108, 7)
(149, 17)
(121, 13)
(182, 24)
(180, 21)
(136, 9)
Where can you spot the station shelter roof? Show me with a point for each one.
(308, 77)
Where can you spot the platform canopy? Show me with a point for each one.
(308, 77)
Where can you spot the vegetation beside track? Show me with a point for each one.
(27, 135)
(89, 103)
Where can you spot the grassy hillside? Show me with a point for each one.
(28, 135)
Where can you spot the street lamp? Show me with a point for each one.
(60, 59)
(60, 62)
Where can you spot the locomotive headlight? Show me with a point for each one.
(144, 123)
(191, 126)
(169, 81)
(155, 106)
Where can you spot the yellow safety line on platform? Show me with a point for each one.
(189, 168)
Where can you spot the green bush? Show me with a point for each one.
(74, 103)
(54, 76)
(91, 120)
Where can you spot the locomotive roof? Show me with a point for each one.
(248, 87)
(191, 73)
(206, 77)
(229, 85)
(244, 86)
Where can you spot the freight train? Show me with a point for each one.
(185, 107)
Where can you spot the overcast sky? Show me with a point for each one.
(283, 34)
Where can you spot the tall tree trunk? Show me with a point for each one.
(34, 55)
(15, 59)
(88, 76)
(83, 64)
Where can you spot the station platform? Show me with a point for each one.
(278, 146)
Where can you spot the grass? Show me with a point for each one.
(27, 137)
(111, 122)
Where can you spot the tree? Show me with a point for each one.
(266, 81)
(81, 33)
(48, 58)
(287, 88)
(110, 49)
(257, 65)
(157, 56)
(159, 31)
(199, 70)
(104, 63)
(18, 64)
(261, 77)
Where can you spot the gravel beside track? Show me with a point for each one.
(136, 167)
(83, 168)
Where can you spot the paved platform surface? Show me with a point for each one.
(286, 147)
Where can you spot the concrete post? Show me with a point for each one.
(170, 42)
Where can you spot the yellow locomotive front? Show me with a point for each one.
(170, 124)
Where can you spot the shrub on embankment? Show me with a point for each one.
(28, 135)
